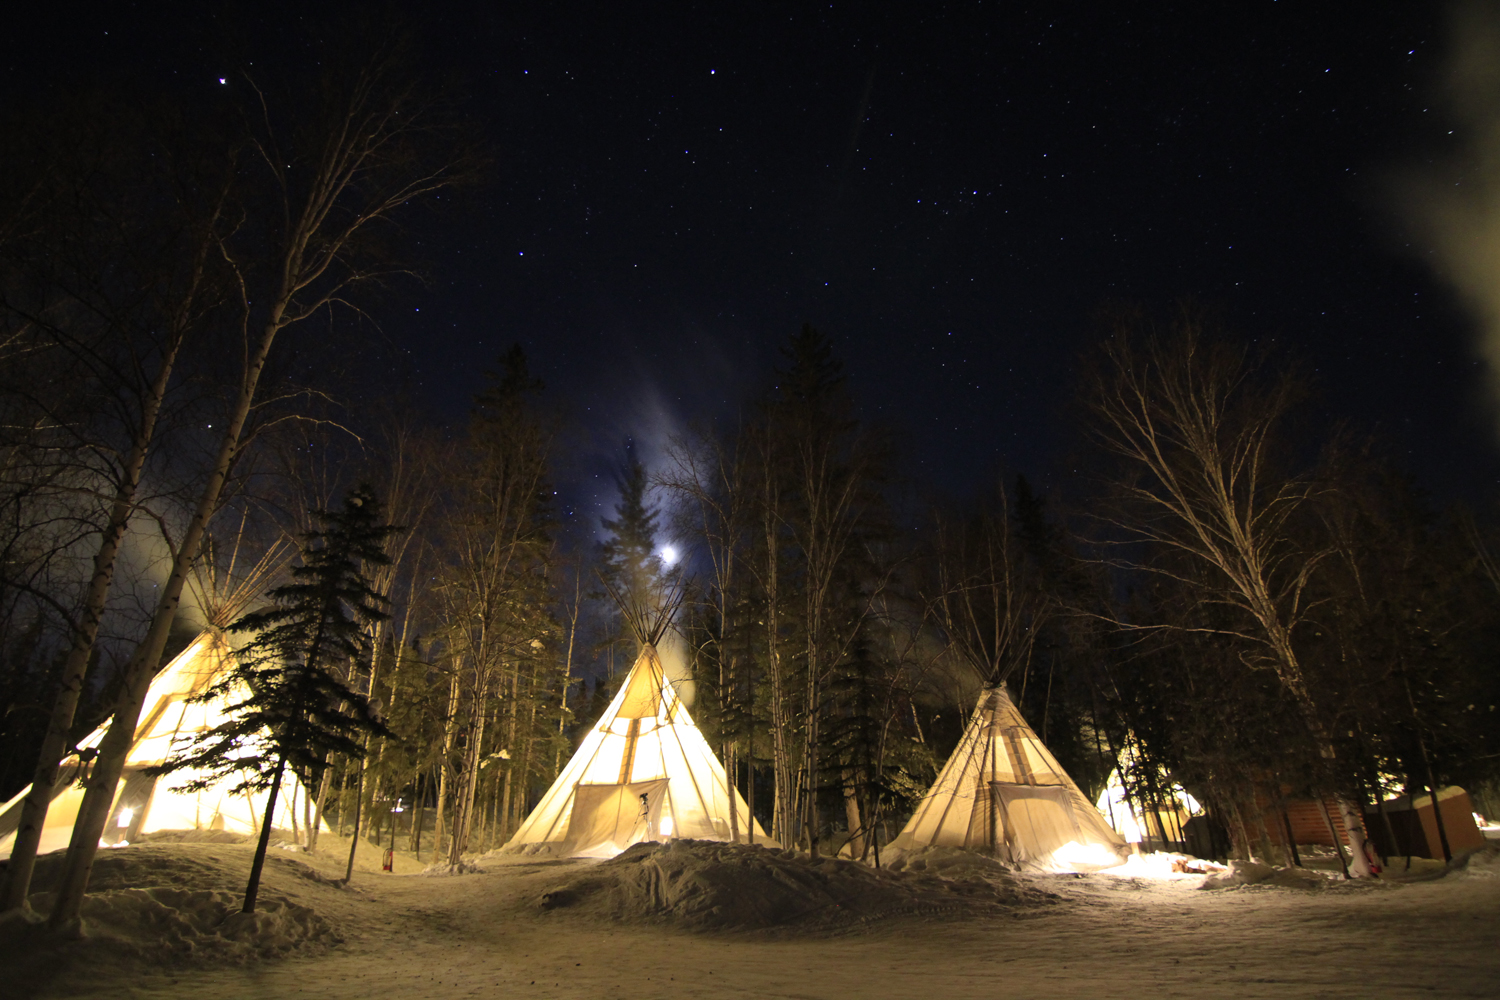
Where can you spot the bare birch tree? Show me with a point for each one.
(493, 592)
(1194, 422)
(828, 474)
(765, 567)
(707, 476)
(408, 470)
(118, 289)
(989, 610)
(312, 191)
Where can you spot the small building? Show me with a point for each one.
(1406, 830)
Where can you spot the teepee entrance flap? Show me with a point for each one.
(1038, 819)
(608, 818)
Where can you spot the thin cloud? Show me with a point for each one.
(1453, 205)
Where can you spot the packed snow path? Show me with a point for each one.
(486, 934)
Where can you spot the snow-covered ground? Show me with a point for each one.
(727, 922)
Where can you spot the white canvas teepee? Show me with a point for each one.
(1004, 794)
(644, 772)
(1158, 821)
(146, 804)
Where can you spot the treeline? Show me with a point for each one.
(1237, 601)
(1234, 600)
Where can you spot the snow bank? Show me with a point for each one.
(173, 905)
(439, 869)
(170, 923)
(195, 837)
(1481, 863)
(1243, 873)
(706, 885)
(951, 863)
(1166, 865)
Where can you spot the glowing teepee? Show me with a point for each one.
(147, 804)
(644, 772)
(1158, 821)
(1004, 794)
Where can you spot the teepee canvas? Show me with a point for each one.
(1158, 822)
(644, 772)
(148, 804)
(1004, 794)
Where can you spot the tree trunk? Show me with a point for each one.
(359, 801)
(463, 805)
(851, 815)
(1292, 678)
(781, 761)
(252, 888)
(64, 708)
(562, 715)
(1390, 831)
(731, 777)
(418, 816)
(810, 809)
(523, 779)
(292, 812)
(1333, 835)
(1354, 825)
(444, 766)
(750, 801)
(1291, 839)
(317, 823)
(307, 817)
(1437, 816)
(1239, 822)
(98, 797)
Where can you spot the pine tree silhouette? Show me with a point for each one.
(289, 706)
(630, 563)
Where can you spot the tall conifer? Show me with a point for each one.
(289, 704)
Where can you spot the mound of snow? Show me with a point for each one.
(1164, 865)
(1242, 873)
(442, 868)
(951, 863)
(707, 885)
(1483, 862)
(193, 837)
(276, 928)
(173, 904)
(549, 850)
(1239, 873)
(163, 923)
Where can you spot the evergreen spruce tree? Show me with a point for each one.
(630, 564)
(289, 706)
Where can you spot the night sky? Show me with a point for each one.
(950, 191)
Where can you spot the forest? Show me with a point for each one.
(1238, 594)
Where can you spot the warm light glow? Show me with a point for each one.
(1119, 813)
(666, 826)
(669, 555)
(1163, 865)
(126, 815)
(1074, 853)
